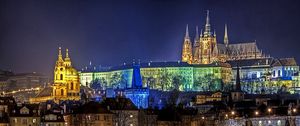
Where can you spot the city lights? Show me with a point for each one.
(140, 63)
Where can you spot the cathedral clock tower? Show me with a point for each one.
(207, 43)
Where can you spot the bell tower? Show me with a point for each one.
(59, 68)
(207, 43)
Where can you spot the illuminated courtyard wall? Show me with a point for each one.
(185, 78)
(259, 78)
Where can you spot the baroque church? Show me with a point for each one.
(66, 82)
(206, 50)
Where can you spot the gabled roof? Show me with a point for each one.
(243, 47)
(119, 104)
(59, 116)
(33, 110)
(92, 108)
(285, 62)
(263, 62)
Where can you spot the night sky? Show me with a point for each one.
(109, 33)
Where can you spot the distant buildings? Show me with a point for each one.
(10, 81)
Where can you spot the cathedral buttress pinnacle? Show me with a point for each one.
(226, 36)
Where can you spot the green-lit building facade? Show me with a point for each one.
(163, 76)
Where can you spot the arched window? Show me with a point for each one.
(279, 73)
(72, 86)
(62, 91)
(61, 76)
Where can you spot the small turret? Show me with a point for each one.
(226, 36)
(67, 59)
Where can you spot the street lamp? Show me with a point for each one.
(269, 110)
(256, 113)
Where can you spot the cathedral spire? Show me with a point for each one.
(225, 36)
(187, 36)
(215, 33)
(187, 47)
(207, 31)
(201, 33)
(197, 34)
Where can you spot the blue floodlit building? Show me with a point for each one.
(137, 93)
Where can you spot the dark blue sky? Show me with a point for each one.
(111, 32)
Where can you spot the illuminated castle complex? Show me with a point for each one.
(66, 82)
(206, 66)
(206, 50)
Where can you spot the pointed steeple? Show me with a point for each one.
(207, 31)
(225, 36)
(187, 47)
(187, 36)
(201, 33)
(197, 33)
(67, 59)
(59, 54)
(215, 33)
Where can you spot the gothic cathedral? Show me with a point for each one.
(206, 50)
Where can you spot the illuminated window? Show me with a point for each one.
(72, 86)
(24, 121)
(62, 91)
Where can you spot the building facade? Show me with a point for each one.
(163, 76)
(206, 50)
(66, 82)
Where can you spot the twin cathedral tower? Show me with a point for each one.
(206, 50)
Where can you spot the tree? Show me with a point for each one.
(115, 80)
(177, 81)
(151, 83)
(209, 80)
(96, 84)
(165, 80)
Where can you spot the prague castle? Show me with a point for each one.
(206, 50)
(206, 65)
(66, 82)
